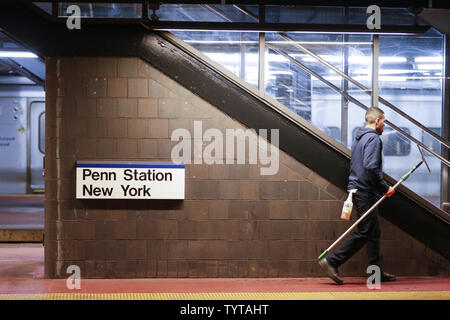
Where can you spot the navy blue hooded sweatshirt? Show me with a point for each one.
(366, 170)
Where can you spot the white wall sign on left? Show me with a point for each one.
(129, 180)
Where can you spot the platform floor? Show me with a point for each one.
(22, 277)
(24, 212)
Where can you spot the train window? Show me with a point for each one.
(429, 141)
(42, 132)
(394, 143)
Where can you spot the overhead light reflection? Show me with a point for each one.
(17, 54)
(428, 59)
(429, 66)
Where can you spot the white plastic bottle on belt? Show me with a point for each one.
(348, 206)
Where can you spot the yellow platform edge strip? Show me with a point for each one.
(399, 295)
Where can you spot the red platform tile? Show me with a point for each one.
(22, 271)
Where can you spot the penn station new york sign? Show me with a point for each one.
(129, 180)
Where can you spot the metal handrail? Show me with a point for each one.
(342, 92)
(356, 83)
(254, 92)
(220, 13)
(357, 102)
(366, 90)
(250, 14)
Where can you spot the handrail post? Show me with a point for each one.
(445, 124)
(261, 64)
(375, 68)
(344, 100)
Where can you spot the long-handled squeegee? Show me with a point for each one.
(406, 176)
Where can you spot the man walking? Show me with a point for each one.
(366, 175)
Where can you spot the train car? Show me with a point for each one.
(22, 144)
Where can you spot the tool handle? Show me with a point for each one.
(362, 217)
(355, 224)
(406, 176)
(367, 213)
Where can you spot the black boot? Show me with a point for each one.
(387, 277)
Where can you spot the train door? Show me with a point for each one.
(37, 146)
(13, 145)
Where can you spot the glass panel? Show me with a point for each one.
(305, 14)
(396, 144)
(337, 15)
(389, 16)
(400, 155)
(104, 10)
(7, 43)
(203, 13)
(46, 6)
(358, 48)
(327, 46)
(326, 111)
(288, 84)
(189, 12)
(431, 142)
(412, 81)
(236, 51)
(410, 77)
(319, 104)
(356, 116)
(237, 15)
(303, 94)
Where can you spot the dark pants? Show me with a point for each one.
(368, 231)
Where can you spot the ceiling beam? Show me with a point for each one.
(15, 80)
(22, 71)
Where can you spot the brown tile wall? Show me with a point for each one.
(233, 223)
